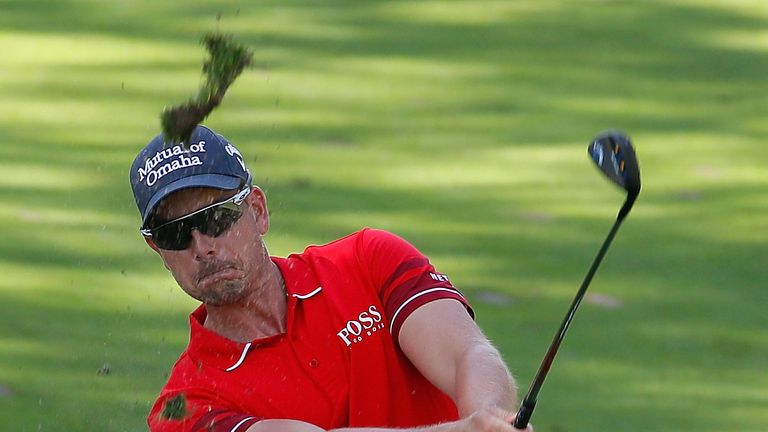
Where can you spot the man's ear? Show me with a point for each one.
(151, 244)
(257, 201)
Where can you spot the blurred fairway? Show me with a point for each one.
(461, 125)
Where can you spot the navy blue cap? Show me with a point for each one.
(161, 169)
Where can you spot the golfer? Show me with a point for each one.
(360, 334)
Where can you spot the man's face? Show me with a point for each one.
(217, 270)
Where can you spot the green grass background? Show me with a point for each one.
(461, 125)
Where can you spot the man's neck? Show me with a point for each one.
(261, 314)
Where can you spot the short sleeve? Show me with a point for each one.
(187, 412)
(403, 276)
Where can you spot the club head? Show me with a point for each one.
(613, 153)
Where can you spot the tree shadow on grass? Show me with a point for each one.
(589, 64)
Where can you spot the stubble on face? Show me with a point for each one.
(226, 293)
(220, 282)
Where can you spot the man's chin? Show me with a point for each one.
(225, 294)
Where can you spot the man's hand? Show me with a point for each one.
(528, 428)
(489, 420)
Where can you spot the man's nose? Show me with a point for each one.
(201, 245)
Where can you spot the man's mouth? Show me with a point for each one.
(214, 274)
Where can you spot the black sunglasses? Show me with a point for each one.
(213, 220)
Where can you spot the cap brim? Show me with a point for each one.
(216, 181)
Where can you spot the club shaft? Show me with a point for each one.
(529, 402)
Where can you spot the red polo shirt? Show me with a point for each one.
(337, 365)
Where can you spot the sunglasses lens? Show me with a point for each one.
(175, 236)
(212, 222)
(219, 219)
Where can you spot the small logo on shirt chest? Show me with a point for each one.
(366, 324)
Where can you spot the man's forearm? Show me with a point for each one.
(284, 425)
(450, 350)
(483, 380)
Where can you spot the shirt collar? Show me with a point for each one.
(300, 279)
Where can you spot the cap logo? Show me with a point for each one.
(232, 151)
(168, 160)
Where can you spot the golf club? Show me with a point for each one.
(612, 152)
